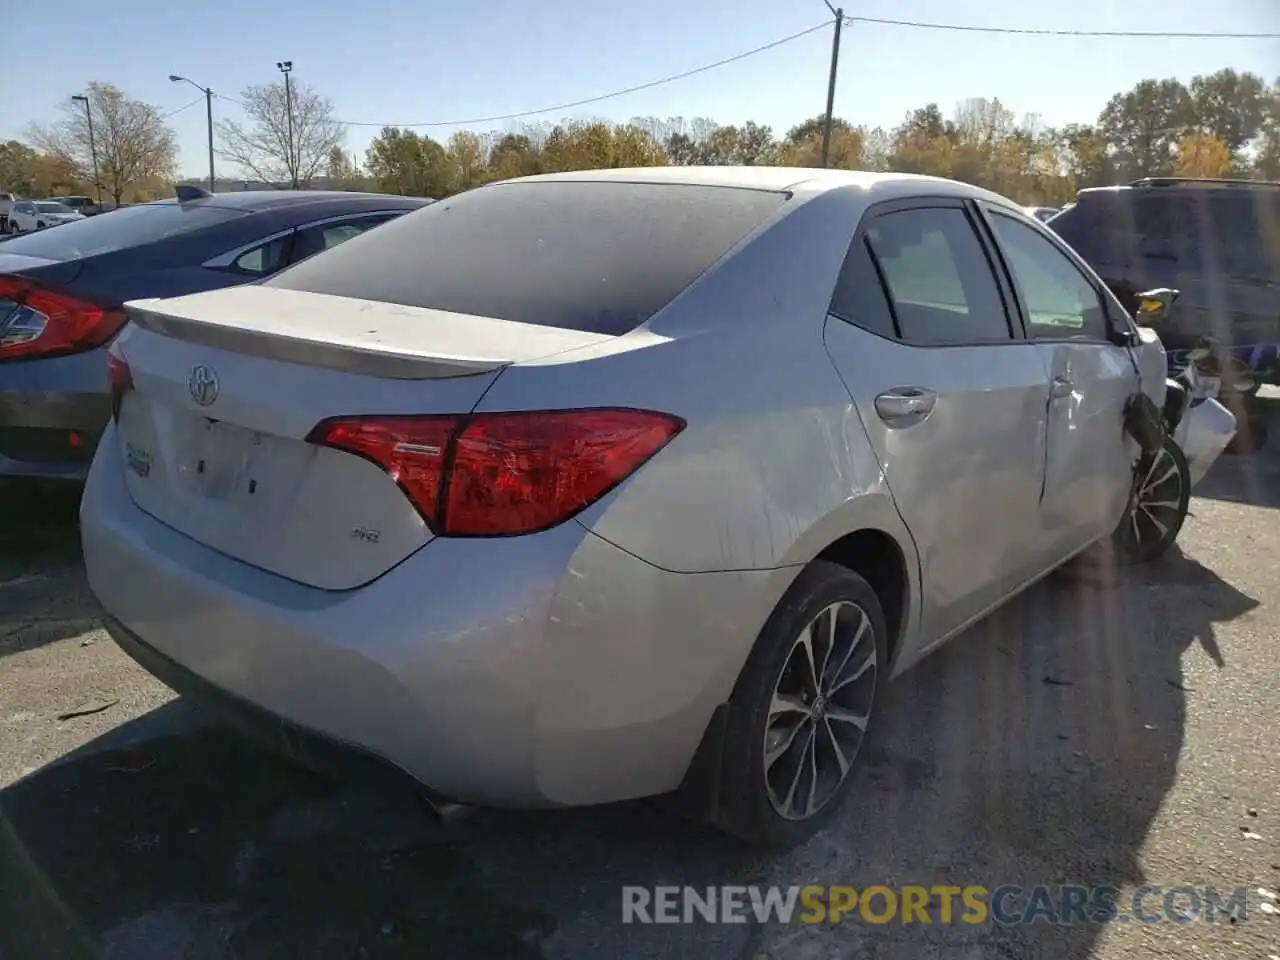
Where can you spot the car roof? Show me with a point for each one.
(799, 180)
(1181, 186)
(253, 201)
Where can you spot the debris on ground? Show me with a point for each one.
(90, 707)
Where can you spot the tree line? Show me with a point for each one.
(1224, 124)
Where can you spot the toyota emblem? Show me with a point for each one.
(202, 384)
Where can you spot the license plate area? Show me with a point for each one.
(217, 460)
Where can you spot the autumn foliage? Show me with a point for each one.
(1218, 125)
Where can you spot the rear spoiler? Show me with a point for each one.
(355, 336)
(369, 359)
(187, 192)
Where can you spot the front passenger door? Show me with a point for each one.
(1088, 466)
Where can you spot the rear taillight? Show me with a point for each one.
(503, 474)
(37, 322)
(119, 376)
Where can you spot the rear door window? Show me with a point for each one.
(125, 227)
(939, 278)
(595, 256)
(859, 296)
(265, 258)
(325, 236)
(1234, 224)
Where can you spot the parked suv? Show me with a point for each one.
(1217, 241)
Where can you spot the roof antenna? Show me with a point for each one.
(187, 191)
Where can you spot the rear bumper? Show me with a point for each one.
(304, 746)
(43, 403)
(540, 671)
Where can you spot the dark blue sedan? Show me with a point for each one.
(62, 291)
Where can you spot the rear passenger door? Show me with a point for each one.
(1088, 466)
(951, 397)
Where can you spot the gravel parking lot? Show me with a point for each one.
(1113, 730)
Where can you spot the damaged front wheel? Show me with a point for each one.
(1158, 507)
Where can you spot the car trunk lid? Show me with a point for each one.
(225, 388)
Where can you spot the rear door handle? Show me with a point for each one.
(903, 406)
(1061, 388)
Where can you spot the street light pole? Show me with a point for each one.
(208, 105)
(285, 67)
(93, 149)
(831, 81)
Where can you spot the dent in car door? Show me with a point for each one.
(1088, 469)
(951, 402)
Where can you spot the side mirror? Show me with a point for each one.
(1154, 306)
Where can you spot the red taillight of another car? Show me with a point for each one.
(504, 474)
(46, 323)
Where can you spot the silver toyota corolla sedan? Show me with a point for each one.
(607, 484)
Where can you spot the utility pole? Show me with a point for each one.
(285, 66)
(208, 107)
(93, 150)
(831, 82)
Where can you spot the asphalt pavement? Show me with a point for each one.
(1114, 728)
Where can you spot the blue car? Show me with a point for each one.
(62, 291)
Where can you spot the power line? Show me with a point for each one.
(174, 113)
(883, 21)
(1036, 32)
(604, 96)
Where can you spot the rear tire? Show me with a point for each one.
(1158, 509)
(800, 712)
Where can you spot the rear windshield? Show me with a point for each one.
(126, 227)
(600, 257)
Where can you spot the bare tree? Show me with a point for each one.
(264, 147)
(129, 137)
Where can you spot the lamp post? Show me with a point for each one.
(285, 67)
(93, 149)
(208, 104)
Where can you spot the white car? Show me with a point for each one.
(28, 215)
(1043, 214)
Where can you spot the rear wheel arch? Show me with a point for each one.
(856, 535)
(885, 561)
(879, 559)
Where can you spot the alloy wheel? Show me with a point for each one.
(819, 710)
(1158, 502)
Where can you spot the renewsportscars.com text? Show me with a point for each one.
(973, 905)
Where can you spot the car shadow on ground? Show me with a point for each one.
(43, 593)
(1035, 749)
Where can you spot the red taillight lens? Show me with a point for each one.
(411, 449)
(41, 322)
(509, 473)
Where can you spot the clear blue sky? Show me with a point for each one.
(399, 61)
